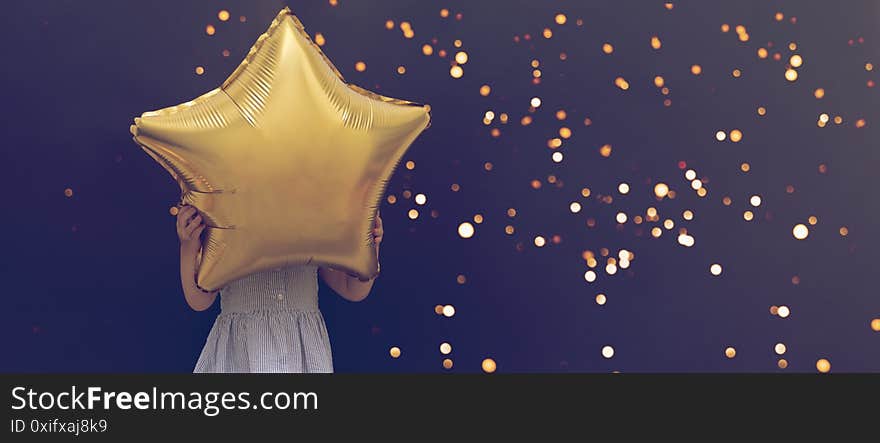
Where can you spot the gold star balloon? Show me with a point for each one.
(286, 161)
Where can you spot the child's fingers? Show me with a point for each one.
(183, 216)
(194, 222)
(191, 228)
(186, 212)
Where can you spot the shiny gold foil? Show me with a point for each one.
(286, 161)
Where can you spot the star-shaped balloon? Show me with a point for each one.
(286, 161)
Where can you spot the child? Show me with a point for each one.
(269, 321)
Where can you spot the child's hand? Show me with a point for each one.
(189, 227)
(378, 231)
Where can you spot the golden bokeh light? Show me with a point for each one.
(736, 135)
(696, 69)
(489, 366)
(800, 231)
(655, 42)
(456, 71)
(783, 311)
(223, 15)
(448, 311)
(607, 351)
(360, 66)
(590, 276)
(779, 348)
(466, 230)
(445, 348)
(565, 132)
(661, 190)
(715, 269)
(447, 363)
(601, 299)
(395, 352)
(686, 240)
(823, 365)
(730, 352)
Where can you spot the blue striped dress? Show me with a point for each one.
(269, 322)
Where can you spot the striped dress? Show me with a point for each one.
(269, 322)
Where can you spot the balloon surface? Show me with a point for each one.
(286, 161)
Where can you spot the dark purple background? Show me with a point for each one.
(106, 296)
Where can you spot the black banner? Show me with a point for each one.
(110, 407)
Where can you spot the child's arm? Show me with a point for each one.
(347, 286)
(189, 229)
